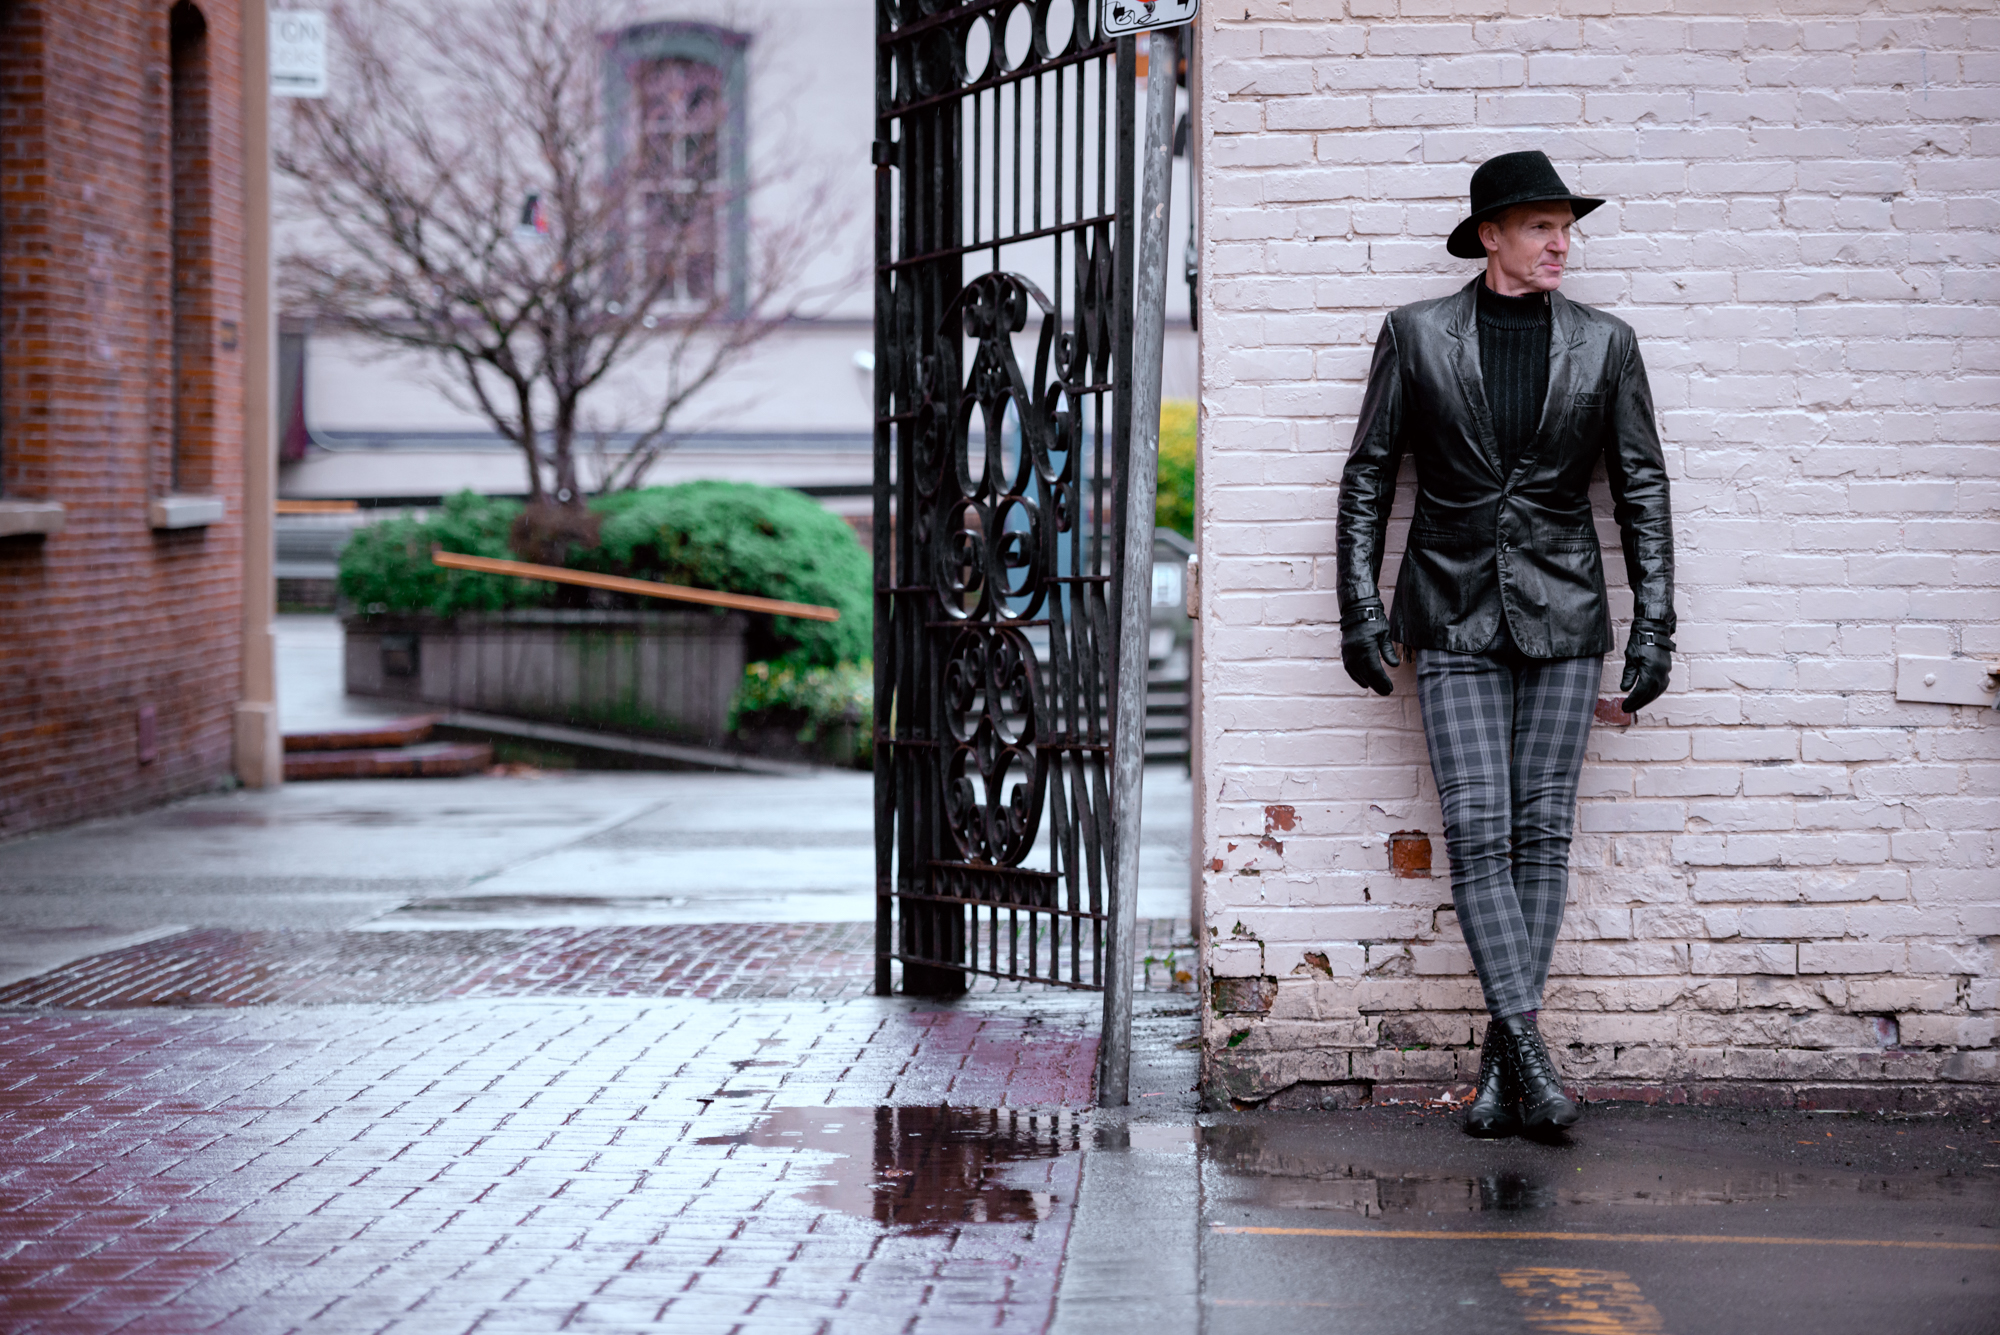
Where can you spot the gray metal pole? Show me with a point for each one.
(1114, 1059)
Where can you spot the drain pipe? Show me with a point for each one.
(1114, 1059)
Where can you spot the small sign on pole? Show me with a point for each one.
(298, 53)
(1118, 17)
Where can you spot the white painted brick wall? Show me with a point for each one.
(1786, 884)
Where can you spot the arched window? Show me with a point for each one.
(677, 146)
(193, 301)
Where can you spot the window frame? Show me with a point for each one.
(727, 51)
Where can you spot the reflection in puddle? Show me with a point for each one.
(1295, 1178)
(200, 818)
(220, 818)
(533, 903)
(924, 1169)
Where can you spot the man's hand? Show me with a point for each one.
(1364, 644)
(1649, 657)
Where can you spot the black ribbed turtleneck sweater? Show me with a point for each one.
(1514, 366)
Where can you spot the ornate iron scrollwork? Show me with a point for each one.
(996, 140)
(993, 552)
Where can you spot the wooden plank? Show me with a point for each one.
(645, 588)
(291, 507)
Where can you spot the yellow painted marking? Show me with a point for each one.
(1443, 1235)
(1583, 1302)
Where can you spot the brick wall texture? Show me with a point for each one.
(1785, 881)
(120, 380)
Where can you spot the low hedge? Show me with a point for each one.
(810, 699)
(386, 567)
(732, 536)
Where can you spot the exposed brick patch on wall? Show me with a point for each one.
(108, 616)
(1786, 886)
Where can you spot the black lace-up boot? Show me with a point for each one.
(1492, 1110)
(1533, 1076)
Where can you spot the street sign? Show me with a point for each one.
(1123, 16)
(298, 53)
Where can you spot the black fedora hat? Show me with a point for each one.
(1501, 183)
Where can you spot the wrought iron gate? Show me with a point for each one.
(1003, 144)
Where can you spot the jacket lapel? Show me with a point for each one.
(1471, 382)
(1563, 327)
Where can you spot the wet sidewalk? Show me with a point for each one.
(869, 1164)
(534, 1166)
(533, 1051)
(600, 1052)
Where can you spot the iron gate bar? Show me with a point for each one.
(918, 27)
(991, 749)
(999, 80)
(1036, 235)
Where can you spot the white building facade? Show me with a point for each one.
(1785, 888)
(798, 410)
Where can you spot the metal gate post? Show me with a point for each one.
(1114, 1074)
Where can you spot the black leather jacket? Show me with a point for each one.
(1480, 541)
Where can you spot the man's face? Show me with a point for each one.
(1527, 248)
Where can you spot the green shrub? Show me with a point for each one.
(1174, 507)
(733, 536)
(386, 567)
(821, 696)
(744, 538)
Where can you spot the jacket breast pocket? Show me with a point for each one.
(1592, 402)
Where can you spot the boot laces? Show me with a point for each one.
(1491, 1056)
(1535, 1055)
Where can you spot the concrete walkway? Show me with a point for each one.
(542, 849)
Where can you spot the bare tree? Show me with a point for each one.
(463, 198)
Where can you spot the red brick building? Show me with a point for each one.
(123, 345)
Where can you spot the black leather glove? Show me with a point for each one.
(1364, 644)
(1649, 657)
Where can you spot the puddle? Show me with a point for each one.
(923, 1170)
(1289, 1175)
(531, 903)
(210, 820)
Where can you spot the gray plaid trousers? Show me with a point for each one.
(1506, 737)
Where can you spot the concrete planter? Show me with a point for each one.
(661, 673)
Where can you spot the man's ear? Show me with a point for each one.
(1489, 236)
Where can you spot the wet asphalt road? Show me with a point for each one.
(1645, 1220)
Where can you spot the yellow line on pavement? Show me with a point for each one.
(1563, 1301)
(1442, 1235)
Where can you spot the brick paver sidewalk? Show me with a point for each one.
(532, 1165)
(691, 1128)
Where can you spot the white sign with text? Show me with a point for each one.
(1118, 17)
(298, 53)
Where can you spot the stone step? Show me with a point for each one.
(388, 732)
(426, 760)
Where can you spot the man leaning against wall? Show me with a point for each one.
(1507, 395)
